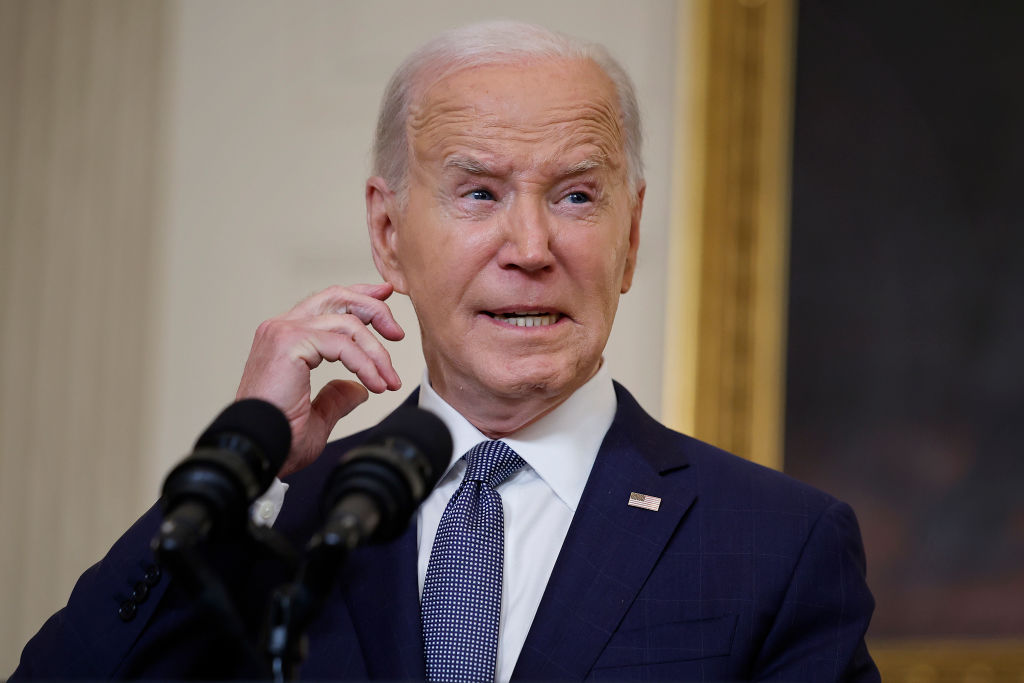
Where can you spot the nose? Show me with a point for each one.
(527, 236)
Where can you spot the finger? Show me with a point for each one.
(320, 346)
(377, 314)
(336, 400)
(378, 290)
(380, 357)
(370, 344)
(364, 301)
(337, 296)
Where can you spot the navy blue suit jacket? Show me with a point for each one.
(742, 574)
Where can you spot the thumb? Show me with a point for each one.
(338, 398)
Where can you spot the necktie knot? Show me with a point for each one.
(492, 462)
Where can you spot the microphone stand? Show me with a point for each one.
(176, 549)
(296, 605)
(186, 565)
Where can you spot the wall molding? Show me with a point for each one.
(78, 193)
(725, 347)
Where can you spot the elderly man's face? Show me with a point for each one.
(519, 231)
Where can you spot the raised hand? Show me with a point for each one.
(330, 325)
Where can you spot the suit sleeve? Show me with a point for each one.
(818, 633)
(107, 610)
(126, 618)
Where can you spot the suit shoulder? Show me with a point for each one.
(726, 475)
(720, 477)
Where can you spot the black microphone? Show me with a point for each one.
(375, 488)
(232, 464)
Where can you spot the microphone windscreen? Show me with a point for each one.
(422, 428)
(256, 420)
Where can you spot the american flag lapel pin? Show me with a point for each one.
(642, 500)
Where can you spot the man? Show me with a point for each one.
(506, 204)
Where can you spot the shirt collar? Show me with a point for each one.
(560, 447)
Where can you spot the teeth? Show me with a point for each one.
(529, 319)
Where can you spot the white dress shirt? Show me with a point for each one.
(539, 500)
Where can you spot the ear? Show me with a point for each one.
(634, 238)
(381, 214)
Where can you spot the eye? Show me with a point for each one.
(578, 197)
(480, 195)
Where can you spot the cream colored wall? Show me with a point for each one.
(268, 108)
(79, 94)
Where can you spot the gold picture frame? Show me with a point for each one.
(726, 307)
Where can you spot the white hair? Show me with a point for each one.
(483, 44)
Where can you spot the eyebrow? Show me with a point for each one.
(587, 164)
(468, 164)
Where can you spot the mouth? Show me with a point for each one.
(526, 318)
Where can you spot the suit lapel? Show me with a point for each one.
(385, 608)
(379, 588)
(610, 548)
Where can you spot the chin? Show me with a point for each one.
(536, 381)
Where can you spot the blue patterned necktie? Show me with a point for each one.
(461, 601)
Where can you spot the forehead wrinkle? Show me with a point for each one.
(439, 112)
(579, 153)
(599, 118)
(476, 134)
(424, 119)
(552, 164)
(483, 151)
